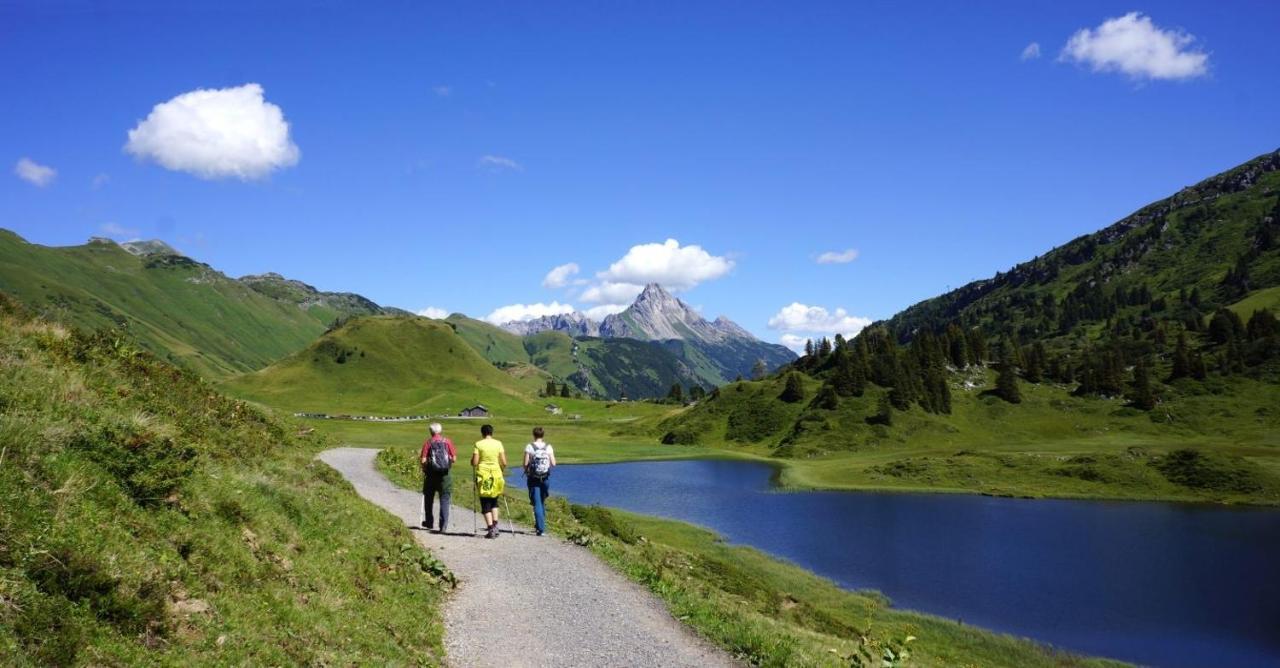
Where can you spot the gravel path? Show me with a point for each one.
(582, 613)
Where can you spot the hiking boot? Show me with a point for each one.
(489, 533)
(426, 525)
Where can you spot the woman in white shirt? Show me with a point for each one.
(539, 459)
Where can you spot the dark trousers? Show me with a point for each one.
(538, 491)
(431, 486)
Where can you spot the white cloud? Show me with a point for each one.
(599, 312)
(442, 91)
(216, 133)
(609, 292)
(838, 257)
(434, 313)
(100, 180)
(1031, 52)
(521, 312)
(1132, 44)
(816, 320)
(34, 173)
(674, 266)
(499, 163)
(116, 230)
(559, 276)
(793, 341)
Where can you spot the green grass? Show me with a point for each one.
(767, 611)
(180, 310)
(146, 519)
(1266, 299)
(1052, 444)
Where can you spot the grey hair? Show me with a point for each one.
(436, 427)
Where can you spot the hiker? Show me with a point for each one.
(438, 455)
(539, 459)
(489, 460)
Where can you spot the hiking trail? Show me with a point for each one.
(524, 600)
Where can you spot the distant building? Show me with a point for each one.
(553, 409)
(474, 412)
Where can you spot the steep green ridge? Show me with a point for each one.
(1138, 362)
(146, 519)
(496, 344)
(604, 368)
(1188, 243)
(387, 365)
(172, 305)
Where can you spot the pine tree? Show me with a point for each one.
(794, 389)
(824, 348)
(808, 347)
(884, 412)
(1034, 371)
(758, 370)
(1007, 382)
(564, 391)
(899, 398)
(1141, 395)
(1198, 370)
(1181, 359)
(826, 398)
(676, 394)
(550, 390)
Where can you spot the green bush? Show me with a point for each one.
(1210, 471)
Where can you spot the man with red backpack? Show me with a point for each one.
(438, 455)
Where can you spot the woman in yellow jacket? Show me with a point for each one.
(490, 460)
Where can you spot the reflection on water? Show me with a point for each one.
(1162, 584)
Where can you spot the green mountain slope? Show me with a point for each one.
(175, 307)
(1164, 252)
(146, 519)
(496, 344)
(1140, 361)
(387, 365)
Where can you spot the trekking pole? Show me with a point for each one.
(475, 487)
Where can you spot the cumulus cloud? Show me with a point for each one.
(522, 312)
(216, 133)
(797, 318)
(838, 257)
(599, 312)
(1135, 46)
(674, 266)
(793, 341)
(498, 163)
(34, 173)
(610, 292)
(560, 276)
(434, 313)
(1031, 52)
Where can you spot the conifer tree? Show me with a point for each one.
(1181, 359)
(1007, 382)
(884, 412)
(793, 391)
(676, 394)
(758, 370)
(1141, 394)
(564, 390)
(824, 348)
(826, 398)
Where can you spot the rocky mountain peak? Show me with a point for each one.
(148, 247)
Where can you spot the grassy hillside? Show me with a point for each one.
(1220, 443)
(494, 343)
(767, 611)
(388, 365)
(179, 309)
(146, 519)
(1138, 362)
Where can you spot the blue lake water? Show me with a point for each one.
(1153, 583)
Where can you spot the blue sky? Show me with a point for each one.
(450, 155)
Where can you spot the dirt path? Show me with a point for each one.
(579, 612)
